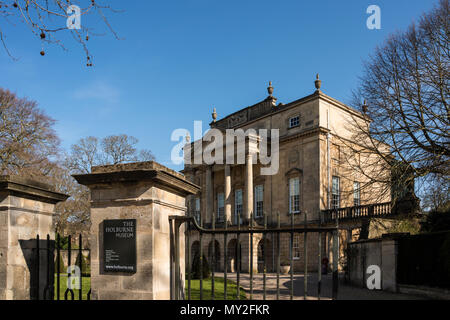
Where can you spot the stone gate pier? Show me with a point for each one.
(130, 233)
(26, 211)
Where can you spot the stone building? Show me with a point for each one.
(312, 178)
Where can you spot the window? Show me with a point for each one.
(356, 197)
(335, 193)
(197, 210)
(220, 207)
(356, 194)
(294, 122)
(296, 247)
(259, 201)
(294, 195)
(238, 206)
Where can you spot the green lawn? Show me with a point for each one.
(218, 290)
(86, 286)
(195, 289)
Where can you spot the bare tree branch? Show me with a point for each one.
(46, 19)
(406, 85)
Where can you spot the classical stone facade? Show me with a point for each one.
(312, 177)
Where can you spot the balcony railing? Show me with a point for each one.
(377, 210)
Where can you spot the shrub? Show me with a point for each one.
(285, 262)
(62, 268)
(196, 271)
(63, 243)
(437, 220)
(86, 269)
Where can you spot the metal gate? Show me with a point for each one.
(177, 291)
(47, 267)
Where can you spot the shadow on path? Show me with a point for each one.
(345, 292)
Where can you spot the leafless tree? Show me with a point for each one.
(84, 155)
(437, 195)
(29, 147)
(47, 20)
(73, 215)
(28, 141)
(405, 87)
(114, 149)
(119, 148)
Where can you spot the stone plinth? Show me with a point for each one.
(26, 210)
(149, 193)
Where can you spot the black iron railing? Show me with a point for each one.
(177, 291)
(377, 210)
(48, 257)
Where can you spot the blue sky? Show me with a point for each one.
(179, 59)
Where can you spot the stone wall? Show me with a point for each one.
(363, 254)
(381, 252)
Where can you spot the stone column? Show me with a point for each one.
(26, 211)
(228, 193)
(329, 236)
(248, 209)
(148, 193)
(209, 195)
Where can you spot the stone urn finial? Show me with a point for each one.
(318, 82)
(270, 88)
(365, 107)
(188, 138)
(214, 115)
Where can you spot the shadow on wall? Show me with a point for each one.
(40, 266)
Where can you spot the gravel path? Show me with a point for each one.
(345, 292)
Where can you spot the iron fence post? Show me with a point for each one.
(335, 261)
(37, 267)
(58, 266)
(212, 259)
(80, 265)
(172, 260)
(305, 259)
(291, 249)
(319, 269)
(225, 260)
(278, 256)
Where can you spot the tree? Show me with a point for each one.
(121, 148)
(437, 220)
(436, 197)
(85, 265)
(114, 149)
(28, 140)
(47, 19)
(29, 147)
(62, 267)
(197, 270)
(73, 215)
(405, 87)
(83, 155)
